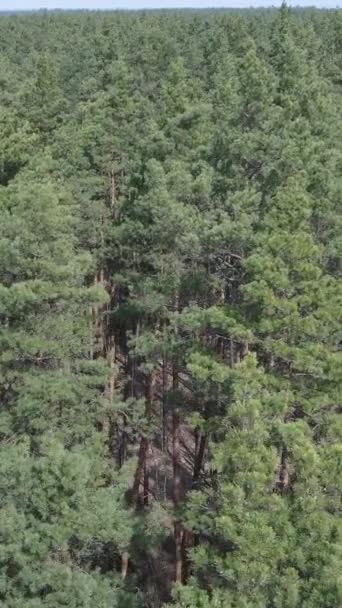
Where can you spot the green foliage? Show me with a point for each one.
(170, 309)
(56, 511)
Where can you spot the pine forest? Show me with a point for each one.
(171, 309)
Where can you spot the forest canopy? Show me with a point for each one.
(170, 309)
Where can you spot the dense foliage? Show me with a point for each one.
(170, 309)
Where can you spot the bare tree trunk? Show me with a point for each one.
(124, 564)
(98, 318)
(112, 189)
(178, 532)
(139, 471)
(122, 441)
(231, 353)
(188, 541)
(244, 349)
(164, 404)
(197, 435)
(133, 363)
(146, 483)
(91, 333)
(164, 423)
(221, 348)
(150, 384)
(142, 472)
(111, 355)
(199, 458)
(141, 475)
(188, 538)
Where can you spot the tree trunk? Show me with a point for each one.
(150, 384)
(244, 349)
(139, 471)
(98, 319)
(199, 458)
(91, 333)
(164, 405)
(122, 441)
(189, 539)
(112, 189)
(124, 564)
(231, 353)
(178, 533)
(111, 353)
(146, 483)
(142, 472)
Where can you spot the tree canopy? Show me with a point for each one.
(170, 309)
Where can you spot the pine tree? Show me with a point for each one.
(169, 309)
